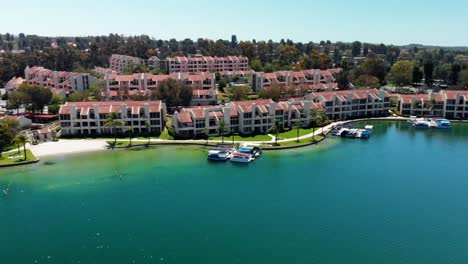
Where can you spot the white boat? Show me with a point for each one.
(242, 157)
(221, 153)
(441, 123)
(252, 149)
(421, 123)
(355, 132)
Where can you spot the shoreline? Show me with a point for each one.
(77, 146)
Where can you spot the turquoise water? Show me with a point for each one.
(400, 197)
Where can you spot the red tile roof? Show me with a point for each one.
(184, 117)
(111, 106)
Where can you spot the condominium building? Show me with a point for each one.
(88, 118)
(59, 80)
(346, 104)
(258, 116)
(317, 80)
(203, 85)
(198, 63)
(13, 84)
(244, 117)
(452, 104)
(120, 63)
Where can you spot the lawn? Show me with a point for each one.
(165, 135)
(14, 157)
(244, 138)
(293, 133)
(301, 142)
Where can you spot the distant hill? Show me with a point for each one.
(421, 46)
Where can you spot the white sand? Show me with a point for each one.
(68, 147)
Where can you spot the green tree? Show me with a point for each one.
(22, 139)
(297, 126)
(130, 134)
(428, 71)
(206, 132)
(367, 81)
(221, 126)
(288, 55)
(463, 80)
(417, 74)
(401, 73)
(8, 130)
(173, 93)
(221, 85)
(276, 129)
(273, 92)
(248, 49)
(375, 67)
(256, 65)
(240, 93)
(356, 48)
(454, 73)
(112, 121)
(148, 132)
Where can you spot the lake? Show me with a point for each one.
(399, 197)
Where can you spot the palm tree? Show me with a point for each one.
(148, 131)
(23, 140)
(313, 134)
(319, 117)
(130, 134)
(297, 126)
(220, 129)
(323, 118)
(206, 131)
(232, 132)
(113, 121)
(16, 141)
(277, 127)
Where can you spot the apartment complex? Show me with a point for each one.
(119, 62)
(317, 80)
(348, 104)
(13, 84)
(68, 82)
(88, 118)
(203, 85)
(258, 116)
(452, 104)
(198, 63)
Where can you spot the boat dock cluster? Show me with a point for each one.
(245, 153)
(349, 132)
(428, 123)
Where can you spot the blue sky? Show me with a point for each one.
(391, 22)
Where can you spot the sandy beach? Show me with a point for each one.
(68, 147)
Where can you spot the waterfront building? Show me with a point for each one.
(348, 104)
(203, 85)
(119, 63)
(59, 81)
(451, 104)
(258, 116)
(88, 118)
(317, 80)
(421, 104)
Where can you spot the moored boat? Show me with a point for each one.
(254, 150)
(441, 123)
(221, 153)
(420, 122)
(242, 157)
